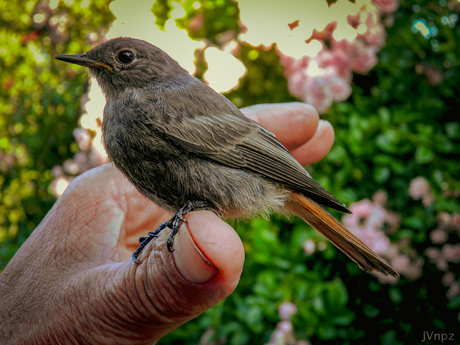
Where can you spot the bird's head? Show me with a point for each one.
(126, 63)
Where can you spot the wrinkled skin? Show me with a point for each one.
(73, 280)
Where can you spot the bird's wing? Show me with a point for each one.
(238, 142)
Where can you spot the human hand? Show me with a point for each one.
(73, 280)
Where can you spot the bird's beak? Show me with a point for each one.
(83, 60)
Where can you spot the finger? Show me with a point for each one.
(215, 248)
(292, 123)
(204, 247)
(318, 147)
(168, 289)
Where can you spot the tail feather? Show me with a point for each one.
(305, 208)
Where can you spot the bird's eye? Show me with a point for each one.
(125, 57)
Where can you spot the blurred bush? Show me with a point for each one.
(39, 104)
(396, 155)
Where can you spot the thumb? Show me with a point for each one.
(169, 289)
(208, 248)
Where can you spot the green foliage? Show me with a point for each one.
(39, 105)
(276, 270)
(209, 20)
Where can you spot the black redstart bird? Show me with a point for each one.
(186, 147)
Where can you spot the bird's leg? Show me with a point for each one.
(145, 240)
(174, 224)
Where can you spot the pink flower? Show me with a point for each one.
(361, 210)
(81, 158)
(448, 278)
(438, 236)
(435, 76)
(340, 89)
(433, 253)
(418, 188)
(386, 6)
(296, 84)
(414, 270)
(451, 252)
(377, 218)
(442, 264)
(380, 198)
(401, 263)
(454, 290)
(336, 58)
(283, 334)
(70, 167)
(374, 35)
(364, 58)
(367, 222)
(309, 247)
(57, 171)
(386, 279)
(388, 20)
(83, 138)
(96, 158)
(316, 94)
(378, 242)
(285, 326)
(393, 221)
(292, 65)
(456, 220)
(325, 78)
(286, 310)
(196, 23)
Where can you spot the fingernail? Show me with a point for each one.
(190, 261)
(323, 124)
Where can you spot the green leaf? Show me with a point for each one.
(318, 305)
(454, 303)
(371, 311)
(388, 140)
(453, 129)
(423, 155)
(326, 332)
(343, 320)
(254, 316)
(240, 338)
(389, 338)
(336, 296)
(395, 294)
(381, 174)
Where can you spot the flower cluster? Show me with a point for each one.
(282, 335)
(448, 254)
(349, 44)
(419, 189)
(284, 332)
(90, 156)
(371, 222)
(443, 254)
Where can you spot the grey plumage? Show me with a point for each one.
(177, 140)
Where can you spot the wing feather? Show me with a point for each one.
(239, 142)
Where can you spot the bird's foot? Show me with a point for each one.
(174, 224)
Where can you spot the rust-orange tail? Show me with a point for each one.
(308, 210)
